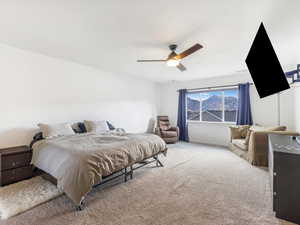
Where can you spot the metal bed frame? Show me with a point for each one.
(127, 172)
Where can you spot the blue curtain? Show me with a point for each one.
(181, 120)
(244, 116)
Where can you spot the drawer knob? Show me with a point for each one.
(275, 174)
(274, 193)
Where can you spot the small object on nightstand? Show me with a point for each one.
(15, 164)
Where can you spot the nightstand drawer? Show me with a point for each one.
(15, 161)
(14, 175)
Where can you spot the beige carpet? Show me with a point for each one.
(198, 185)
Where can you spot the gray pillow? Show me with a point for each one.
(96, 126)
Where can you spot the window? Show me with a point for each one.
(212, 106)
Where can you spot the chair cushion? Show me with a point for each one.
(169, 134)
(164, 125)
(240, 143)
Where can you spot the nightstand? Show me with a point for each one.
(15, 164)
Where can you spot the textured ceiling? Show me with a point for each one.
(112, 35)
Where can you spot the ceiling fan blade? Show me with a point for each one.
(189, 51)
(181, 67)
(151, 60)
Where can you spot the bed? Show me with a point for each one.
(80, 161)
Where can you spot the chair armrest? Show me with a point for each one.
(258, 146)
(263, 135)
(287, 132)
(258, 141)
(174, 129)
(157, 131)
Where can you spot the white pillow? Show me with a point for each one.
(53, 130)
(96, 126)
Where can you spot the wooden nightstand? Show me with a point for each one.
(15, 164)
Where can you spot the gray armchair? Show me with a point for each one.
(168, 133)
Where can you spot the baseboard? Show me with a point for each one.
(210, 144)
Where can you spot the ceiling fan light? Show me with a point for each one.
(173, 62)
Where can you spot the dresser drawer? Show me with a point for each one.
(14, 175)
(15, 161)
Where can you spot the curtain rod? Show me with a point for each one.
(222, 86)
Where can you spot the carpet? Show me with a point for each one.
(199, 184)
(22, 196)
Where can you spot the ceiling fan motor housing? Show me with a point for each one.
(172, 47)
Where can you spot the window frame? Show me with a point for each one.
(223, 106)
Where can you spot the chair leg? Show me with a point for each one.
(81, 206)
(158, 162)
(131, 172)
(125, 174)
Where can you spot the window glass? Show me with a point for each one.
(231, 105)
(212, 106)
(193, 106)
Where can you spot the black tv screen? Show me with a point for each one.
(264, 66)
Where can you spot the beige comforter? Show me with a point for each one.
(80, 161)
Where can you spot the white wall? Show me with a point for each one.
(35, 88)
(297, 106)
(264, 111)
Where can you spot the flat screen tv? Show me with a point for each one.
(264, 66)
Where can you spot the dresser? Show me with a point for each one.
(284, 168)
(15, 164)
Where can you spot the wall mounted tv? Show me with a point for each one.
(264, 66)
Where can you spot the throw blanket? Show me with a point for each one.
(79, 161)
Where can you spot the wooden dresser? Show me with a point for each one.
(15, 164)
(284, 167)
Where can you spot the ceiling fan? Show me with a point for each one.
(174, 58)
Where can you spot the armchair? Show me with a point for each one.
(168, 133)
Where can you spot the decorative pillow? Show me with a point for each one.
(235, 133)
(82, 127)
(110, 126)
(76, 128)
(96, 126)
(239, 131)
(244, 130)
(38, 136)
(53, 130)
